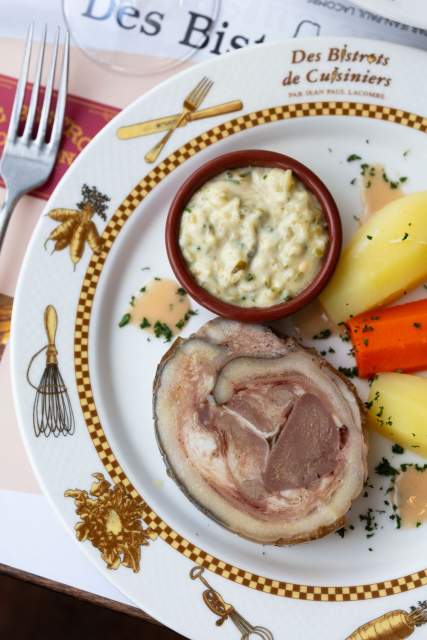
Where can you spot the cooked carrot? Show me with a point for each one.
(390, 339)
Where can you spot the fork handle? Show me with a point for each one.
(153, 154)
(6, 211)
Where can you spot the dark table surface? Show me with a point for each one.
(35, 612)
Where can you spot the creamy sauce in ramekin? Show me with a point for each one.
(254, 236)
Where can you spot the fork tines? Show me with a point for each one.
(27, 135)
(200, 91)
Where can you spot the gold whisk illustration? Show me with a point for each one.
(52, 410)
(215, 602)
(394, 625)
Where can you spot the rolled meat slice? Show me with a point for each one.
(260, 433)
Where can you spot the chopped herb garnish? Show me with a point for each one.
(188, 209)
(369, 237)
(353, 182)
(405, 236)
(396, 448)
(372, 379)
(341, 532)
(417, 325)
(132, 301)
(125, 320)
(161, 330)
(418, 524)
(384, 468)
(322, 335)
(405, 153)
(250, 276)
(143, 289)
(157, 278)
(181, 323)
(403, 179)
(181, 291)
(350, 372)
(145, 323)
(353, 157)
(145, 268)
(369, 519)
(366, 342)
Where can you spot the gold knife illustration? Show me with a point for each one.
(166, 122)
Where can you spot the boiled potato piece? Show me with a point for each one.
(398, 409)
(385, 257)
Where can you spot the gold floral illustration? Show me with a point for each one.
(77, 227)
(110, 518)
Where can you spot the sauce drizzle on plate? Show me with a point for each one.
(160, 301)
(410, 497)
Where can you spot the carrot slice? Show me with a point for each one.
(390, 339)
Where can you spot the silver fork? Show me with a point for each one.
(27, 162)
(191, 103)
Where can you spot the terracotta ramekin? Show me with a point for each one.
(241, 159)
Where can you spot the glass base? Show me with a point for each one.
(140, 37)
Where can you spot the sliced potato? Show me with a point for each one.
(398, 409)
(385, 257)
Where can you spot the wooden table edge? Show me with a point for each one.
(85, 596)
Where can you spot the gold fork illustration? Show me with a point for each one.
(191, 103)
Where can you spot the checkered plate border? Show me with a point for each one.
(81, 359)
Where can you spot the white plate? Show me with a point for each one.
(299, 592)
(413, 12)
